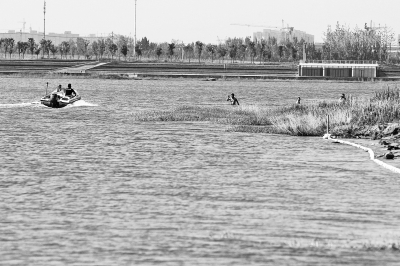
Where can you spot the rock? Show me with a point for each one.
(326, 136)
(384, 142)
(393, 146)
(376, 135)
(375, 128)
(389, 156)
(391, 129)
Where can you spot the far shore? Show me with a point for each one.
(160, 70)
(205, 77)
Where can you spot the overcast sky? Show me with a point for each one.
(192, 20)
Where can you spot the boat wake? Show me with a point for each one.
(81, 103)
(17, 105)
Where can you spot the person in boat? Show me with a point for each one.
(234, 101)
(298, 100)
(70, 91)
(55, 96)
(342, 98)
(60, 90)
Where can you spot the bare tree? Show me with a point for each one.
(188, 49)
(171, 47)
(158, 52)
(95, 49)
(32, 45)
(211, 49)
(72, 47)
(199, 48)
(11, 44)
(222, 51)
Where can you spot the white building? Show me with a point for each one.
(281, 35)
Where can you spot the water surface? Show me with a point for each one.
(88, 185)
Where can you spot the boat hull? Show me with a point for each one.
(58, 102)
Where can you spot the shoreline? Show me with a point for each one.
(202, 70)
(205, 77)
(377, 148)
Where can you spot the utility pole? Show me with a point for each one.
(134, 48)
(44, 27)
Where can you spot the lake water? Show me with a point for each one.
(88, 185)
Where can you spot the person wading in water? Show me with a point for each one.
(233, 99)
(342, 98)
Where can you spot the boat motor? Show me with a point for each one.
(54, 100)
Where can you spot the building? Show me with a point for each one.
(56, 38)
(341, 69)
(281, 35)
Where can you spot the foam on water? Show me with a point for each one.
(81, 103)
(16, 105)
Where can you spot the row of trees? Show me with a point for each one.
(369, 43)
(339, 44)
(236, 49)
(71, 48)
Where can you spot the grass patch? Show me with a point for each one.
(238, 115)
(357, 116)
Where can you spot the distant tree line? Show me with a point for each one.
(340, 43)
(368, 43)
(233, 49)
(74, 48)
(122, 47)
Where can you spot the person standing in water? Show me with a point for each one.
(234, 101)
(342, 98)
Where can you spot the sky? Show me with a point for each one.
(191, 20)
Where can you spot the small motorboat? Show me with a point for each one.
(57, 99)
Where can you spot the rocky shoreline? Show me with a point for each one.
(389, 137)
(386, 139)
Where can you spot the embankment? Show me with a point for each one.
(123, 69)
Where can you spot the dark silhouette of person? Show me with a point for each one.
(298, 100)
(70, 91)
(234, 101)
(342, 98)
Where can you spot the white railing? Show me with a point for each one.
(342, 61)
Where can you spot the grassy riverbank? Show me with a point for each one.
(357, 117)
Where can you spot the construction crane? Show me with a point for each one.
(371, 29)
(23, 25)
(287, 28)
(258, 26)
(283, 28)
(221, 41)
